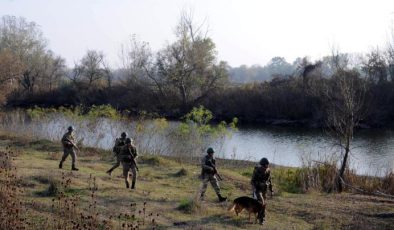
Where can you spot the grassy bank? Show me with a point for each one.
(47, 197)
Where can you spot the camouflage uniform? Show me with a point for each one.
(119, 143)
(126, 153)
(208, 175)
(261, 179)
(68, 149)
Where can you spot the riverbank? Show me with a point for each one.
(165, 195)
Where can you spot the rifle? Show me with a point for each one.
(72, 143)
(215, 171)
(270, 187)
(134, 163)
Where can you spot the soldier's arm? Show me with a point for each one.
(269, 181)
(268, 175)
(134, 151)
(66, 140)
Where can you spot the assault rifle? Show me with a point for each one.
(215, 171)
(72, 143)
(270, 187)
(134, 163)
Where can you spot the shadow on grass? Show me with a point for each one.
(45, 145)
(223, 220)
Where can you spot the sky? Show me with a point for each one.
(245, 31)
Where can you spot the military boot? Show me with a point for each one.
(221, 198)
(60, 165)
(73, 168)
(133, 185)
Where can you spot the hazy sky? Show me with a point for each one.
(245, 31)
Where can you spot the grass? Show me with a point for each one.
(166, 194)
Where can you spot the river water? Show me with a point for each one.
(372, 152)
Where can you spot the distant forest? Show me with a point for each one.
(186, 73)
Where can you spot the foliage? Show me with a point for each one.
(33, 67)
(196, 132)
(106, 111)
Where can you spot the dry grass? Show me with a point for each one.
(164, 198)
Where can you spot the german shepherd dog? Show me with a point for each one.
(251, 205)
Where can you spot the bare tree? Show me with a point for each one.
(92, 69)
(390, 54)
(141, 68)
(345, 102)
(55, 71)
(375, 66)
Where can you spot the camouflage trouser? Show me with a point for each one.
(214, 182)
(69, 151)
(127, 167)
(117, 163)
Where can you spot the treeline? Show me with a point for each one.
(186, 73)
(277, 66)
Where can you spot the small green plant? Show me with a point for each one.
(188, 206)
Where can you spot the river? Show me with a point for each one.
(372, 149)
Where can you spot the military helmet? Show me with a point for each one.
(210, 150)
(264, 161)
(70, 128)
(123, 135)
(129, 140)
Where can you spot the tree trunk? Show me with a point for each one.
(343, 166)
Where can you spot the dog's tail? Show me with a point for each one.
(231, 208)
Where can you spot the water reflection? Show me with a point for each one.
(372, 151)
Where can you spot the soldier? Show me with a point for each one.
(119, 142)
(261, 180)
(68, 142)
(128, 155)
(208, 174)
